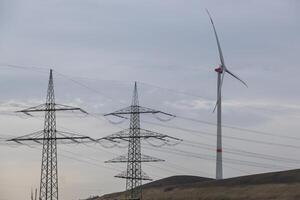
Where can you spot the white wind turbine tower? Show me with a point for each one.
(221, 70)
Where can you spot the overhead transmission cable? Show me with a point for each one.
(173, 90)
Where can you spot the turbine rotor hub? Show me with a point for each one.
(219, 69)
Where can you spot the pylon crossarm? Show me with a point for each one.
(111, 139)
(117, 115)
(68, 134)
(61, 107)
(57, 107)
(30, 109)
(124, 136)
(136, 110)
(117, 137)
(33, 135)
(144, 158)
(75, 138)
(122, 111)
(62, 137)
(110, 145)
(151, 134)
(143, 176)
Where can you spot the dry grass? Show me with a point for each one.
(269, 186)
(251, 192)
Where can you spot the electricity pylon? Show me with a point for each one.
(48, 138)
(134, 158)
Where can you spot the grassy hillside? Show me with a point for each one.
(174, 180)
(269, 186)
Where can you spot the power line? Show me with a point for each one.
(147, 164)
(23, 67)
(253, 154)
(183, 117)
(212, 158)
(152, 85)
(241, 152)
(86, 86)
(172, 90)
(238, 128)
(176, 91)
(197, 132)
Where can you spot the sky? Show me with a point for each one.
(99, 48)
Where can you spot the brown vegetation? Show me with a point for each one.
(270, 186)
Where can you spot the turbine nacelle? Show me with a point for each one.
(220, 69)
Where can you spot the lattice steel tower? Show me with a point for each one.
(134, 158)
(48, 138)
(49, 179)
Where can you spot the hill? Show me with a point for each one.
(174, 180)
(283, 185)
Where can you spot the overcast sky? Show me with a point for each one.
(168, 47)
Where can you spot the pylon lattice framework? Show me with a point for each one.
(48, 138)
(134, 158)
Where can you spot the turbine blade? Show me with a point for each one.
(235, 76)
(217, 39)
(216, 106)
(221, 82)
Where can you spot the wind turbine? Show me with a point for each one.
(221, 70)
